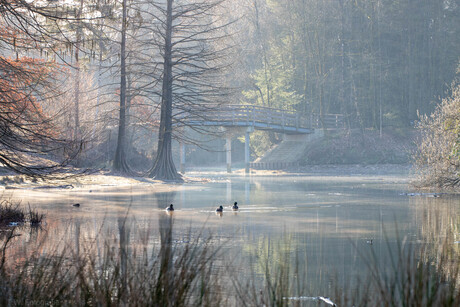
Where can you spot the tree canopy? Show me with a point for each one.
(379, 62)
(134, 71)
(28, 135)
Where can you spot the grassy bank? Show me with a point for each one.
(361, 147)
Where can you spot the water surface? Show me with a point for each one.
(330, 222)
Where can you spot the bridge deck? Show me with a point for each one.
(262, 118)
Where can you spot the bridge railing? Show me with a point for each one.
(252, 114)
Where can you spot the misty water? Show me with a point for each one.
(331, 222)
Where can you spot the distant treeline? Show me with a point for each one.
(92, 81)
(380, 62)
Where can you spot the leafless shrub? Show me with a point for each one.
(438, 156)
(10, 213)
(13, 214)
(35, 217)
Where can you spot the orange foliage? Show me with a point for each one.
(13, 38)
(25, 83)
(22, 81)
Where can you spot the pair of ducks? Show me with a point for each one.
(220, 209)
(234, 208)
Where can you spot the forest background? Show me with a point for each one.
(379, 63)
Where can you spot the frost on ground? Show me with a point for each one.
(86, 181)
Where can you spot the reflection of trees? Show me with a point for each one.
(436, 218)
(166, 269)
(163, 199)
(438, 225)
(282, 265)
(124, 231)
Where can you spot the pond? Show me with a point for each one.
(331, 222)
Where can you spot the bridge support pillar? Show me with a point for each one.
(247, 152)
(228, 147)
(182, 157)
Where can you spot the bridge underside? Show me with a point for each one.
(256, 125)
(244, 119)
(245, 128)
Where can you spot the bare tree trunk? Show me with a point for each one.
(380, 69)
(342, 91)
(77, 96)
(77, 74)
(164, 168)
(119, 163)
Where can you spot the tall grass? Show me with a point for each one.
(157, 270)
(12, 213)
(35, 217)
(422, 274)
(170, 274)
(276, 275)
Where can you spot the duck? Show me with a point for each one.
(170, 208)
(235, 206)
(76, 205)
(220, 209)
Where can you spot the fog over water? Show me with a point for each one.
(330, 222)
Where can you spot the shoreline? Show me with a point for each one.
(319, 170)
(106, 179)
(97, 180)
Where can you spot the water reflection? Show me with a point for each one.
(327, 221)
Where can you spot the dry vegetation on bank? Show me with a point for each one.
(438, 155)
(16, 214)
(101, 179)
(394, 146)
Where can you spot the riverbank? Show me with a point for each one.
(359, 169)
(106, 179)
(100, 179)
(392, 146)
(317, 170)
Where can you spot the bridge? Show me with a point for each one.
(239, 119)
(264, 118)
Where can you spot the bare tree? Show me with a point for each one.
(119, 162)
(187, 37)
(27, 134)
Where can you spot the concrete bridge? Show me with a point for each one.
(244, 119)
